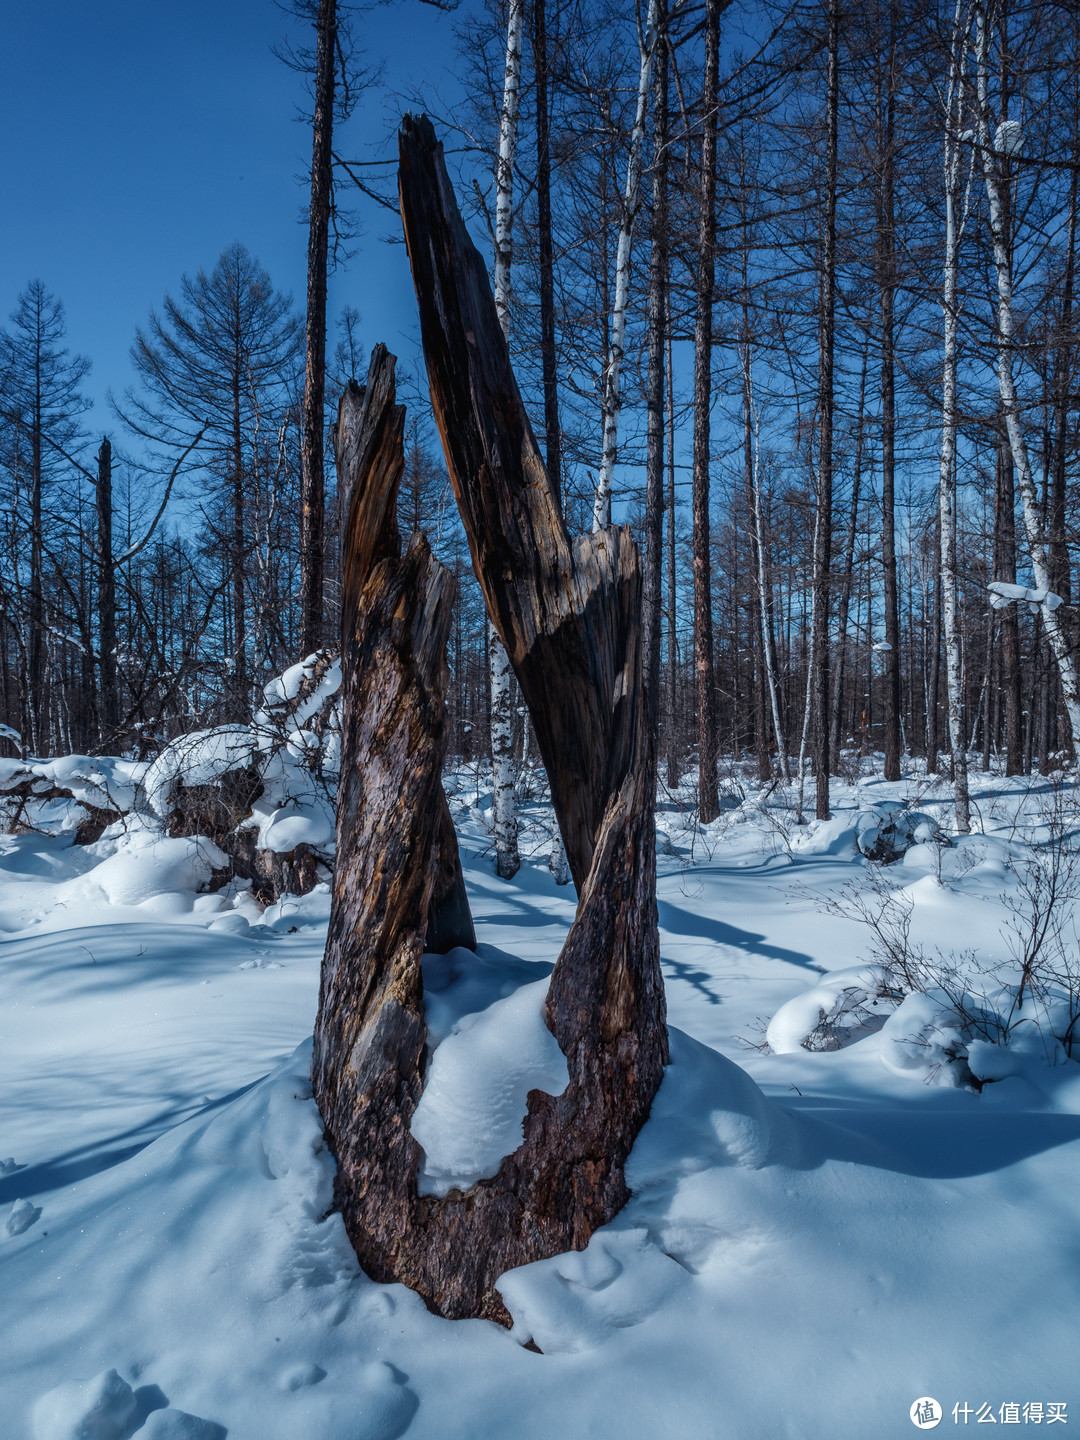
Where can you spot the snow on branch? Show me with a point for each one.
(1002, 594)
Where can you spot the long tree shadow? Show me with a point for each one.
(99, 1155)
(932, 1144)
(677, 921)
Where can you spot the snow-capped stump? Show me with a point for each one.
(887, 832)
(262, 792)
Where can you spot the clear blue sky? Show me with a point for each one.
(138, 139)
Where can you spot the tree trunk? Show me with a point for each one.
(933, 663)
(654, 464)
(312, 500)
(708, 796)
(1007, 619)
(546, 255)
(843, 607)
(569, 615)
(611, 401)
(886, 285)
(500, 682)
(950, 602)
(672, 587)
(110, 703)
(826, 347)
(996, 188)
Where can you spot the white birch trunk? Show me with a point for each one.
(947, 473)
(504, 805)
(1025, 480)
(611, 401)
(503, 800)
(808, 700)
(759, 545)
(504, 170)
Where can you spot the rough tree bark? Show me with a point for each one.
(569, 616)
(110, 706)
(826, 348)
(311, 456)
(708, 794)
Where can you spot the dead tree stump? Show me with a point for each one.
(569, 614)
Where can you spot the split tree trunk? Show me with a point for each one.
(569, 616)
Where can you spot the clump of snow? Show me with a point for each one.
(286, 687)
(147, 868)
(298, 912)
(918, 1040)
(1003, 593)
(476, 1090)
(20, 1217)
(179, 1425)
(887, 831)
(1008, 136)
(198, 758)
(577, 1301)
(98, 1409)
(293, 825)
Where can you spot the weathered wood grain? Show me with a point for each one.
(569, 614)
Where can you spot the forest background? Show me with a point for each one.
(811, 178)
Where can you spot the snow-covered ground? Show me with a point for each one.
(816, 1238)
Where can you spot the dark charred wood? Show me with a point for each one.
(214, 810)
(569, 615)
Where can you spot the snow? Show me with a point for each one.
(1003, 593)
(477, 1086)
(293, 825)
(198, 759)
(1008, 137)
(814, 1238)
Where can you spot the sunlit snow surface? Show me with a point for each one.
(814, 1239)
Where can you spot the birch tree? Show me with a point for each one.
(826, 348)
(612, 396)
(954, 109)
(504, 805)
(992, 149)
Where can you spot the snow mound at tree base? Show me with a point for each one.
(210, 1270)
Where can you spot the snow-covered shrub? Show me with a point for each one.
(264, 791)
(86, 793)
(844, 1006)
(886, 831)
(260, 793)
(958, 1017)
